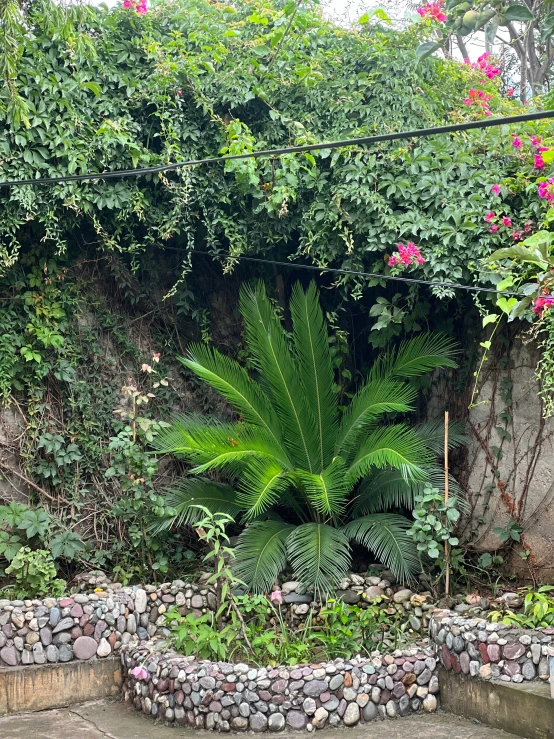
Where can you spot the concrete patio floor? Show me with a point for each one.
(113, 720)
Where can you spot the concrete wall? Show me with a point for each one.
(510, 462)
(52, 686)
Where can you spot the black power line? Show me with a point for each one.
(413, 280)
(417, 133)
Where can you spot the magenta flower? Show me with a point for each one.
(516, 142)
(507, 221)
(139, 673)
(546, 189)
(539, 162)
(510, 91)
(489, 217)
(433, 10)
(406, 255)
(494, 228)
(496, 189)
(516, 235)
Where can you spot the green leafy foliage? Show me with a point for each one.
(435, 520)
(35, 574)
(296, 457)
(538, 610)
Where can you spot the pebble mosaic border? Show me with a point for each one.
(479, 648)
(236, 697)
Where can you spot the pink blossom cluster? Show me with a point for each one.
(433, 11)
(542, 303)
(536, 143)
(407, 255)
(546, 189)
(483, 65)
(506, 221)
(139, 6)
(479, 98)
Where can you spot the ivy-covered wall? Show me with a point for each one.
(99, 278)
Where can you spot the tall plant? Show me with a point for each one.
(306, 477)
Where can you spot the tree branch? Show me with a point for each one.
(462, 47)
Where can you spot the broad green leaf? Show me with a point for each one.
(426, 49)
(517, 13)
(491, 318)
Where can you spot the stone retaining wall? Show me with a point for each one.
(237, 697)
(96, 624)
(478, 648)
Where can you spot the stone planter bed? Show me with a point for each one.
(106, 616)
(238, 697)
(486, 650)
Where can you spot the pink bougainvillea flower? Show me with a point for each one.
(433, 10)
(276, 597)
(489, 217)
(546, 189)
(517, 142)
(494, 228)
(139, 673)
(139, 6)
(517, 236)
(543, 302)
(507, 221)
(407, 255)
(496, 189)
(539, 162)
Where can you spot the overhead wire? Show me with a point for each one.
(362, 141)
(372, 275)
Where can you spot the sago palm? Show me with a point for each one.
(305, 476)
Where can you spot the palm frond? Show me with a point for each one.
(319, 555)
(261, 484)
(328, 491)
(416, 356)
(388, 489)
(272, 357)
(232, 381)
(383, 490)
(210, 444)
(187, 493)
(385, 534)
(391, 446)
(311, 341)
(373, 400)
(261, 554)
(432, 433)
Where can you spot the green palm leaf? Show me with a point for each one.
(210, 444)
(433, 435)
(234, 383)
(388, 489)
(189, 492)
(413, 358)
(261, 484)
(311, 341)
(271, 355)
(391, 446)
(261, 554)
(373, 400)
(319, 554)
(385, 534)
(328, 491)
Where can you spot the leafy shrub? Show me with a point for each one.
(35, 574)
(538, 610)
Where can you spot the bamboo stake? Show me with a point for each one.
(446, 552)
